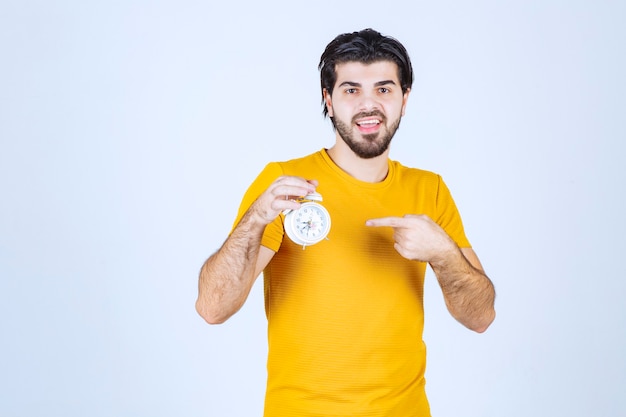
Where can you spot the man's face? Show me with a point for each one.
(366, 105)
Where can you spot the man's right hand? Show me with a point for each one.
(281, 195)
(228, 275)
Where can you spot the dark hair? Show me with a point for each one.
(366, 46)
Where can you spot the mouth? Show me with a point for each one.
(368, 125)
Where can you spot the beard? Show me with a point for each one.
(371, 145)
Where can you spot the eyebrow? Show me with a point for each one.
(377, 84)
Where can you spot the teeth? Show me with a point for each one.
(369, 122)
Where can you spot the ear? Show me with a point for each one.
(405, 98)
(329, 102)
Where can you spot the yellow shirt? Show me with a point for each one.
(345, 316)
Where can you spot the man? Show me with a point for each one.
(345, 316)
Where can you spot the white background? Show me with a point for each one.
(129, 131)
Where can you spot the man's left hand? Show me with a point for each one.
(417, 237)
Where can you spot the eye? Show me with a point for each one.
(384, 90)
(350, 90)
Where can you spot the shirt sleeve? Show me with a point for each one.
(273, 236)
(448, 216)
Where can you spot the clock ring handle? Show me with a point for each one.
(314, 196)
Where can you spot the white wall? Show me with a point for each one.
(129, 131)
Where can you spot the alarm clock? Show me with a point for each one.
(310, 223)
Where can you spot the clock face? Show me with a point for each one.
(309, 224)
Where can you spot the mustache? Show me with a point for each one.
(372, 113)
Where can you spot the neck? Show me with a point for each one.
(367, 170)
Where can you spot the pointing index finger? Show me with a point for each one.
(386, 222)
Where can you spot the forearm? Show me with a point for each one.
(228, 275)
(468, 292)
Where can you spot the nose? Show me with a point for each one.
(368, 102)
